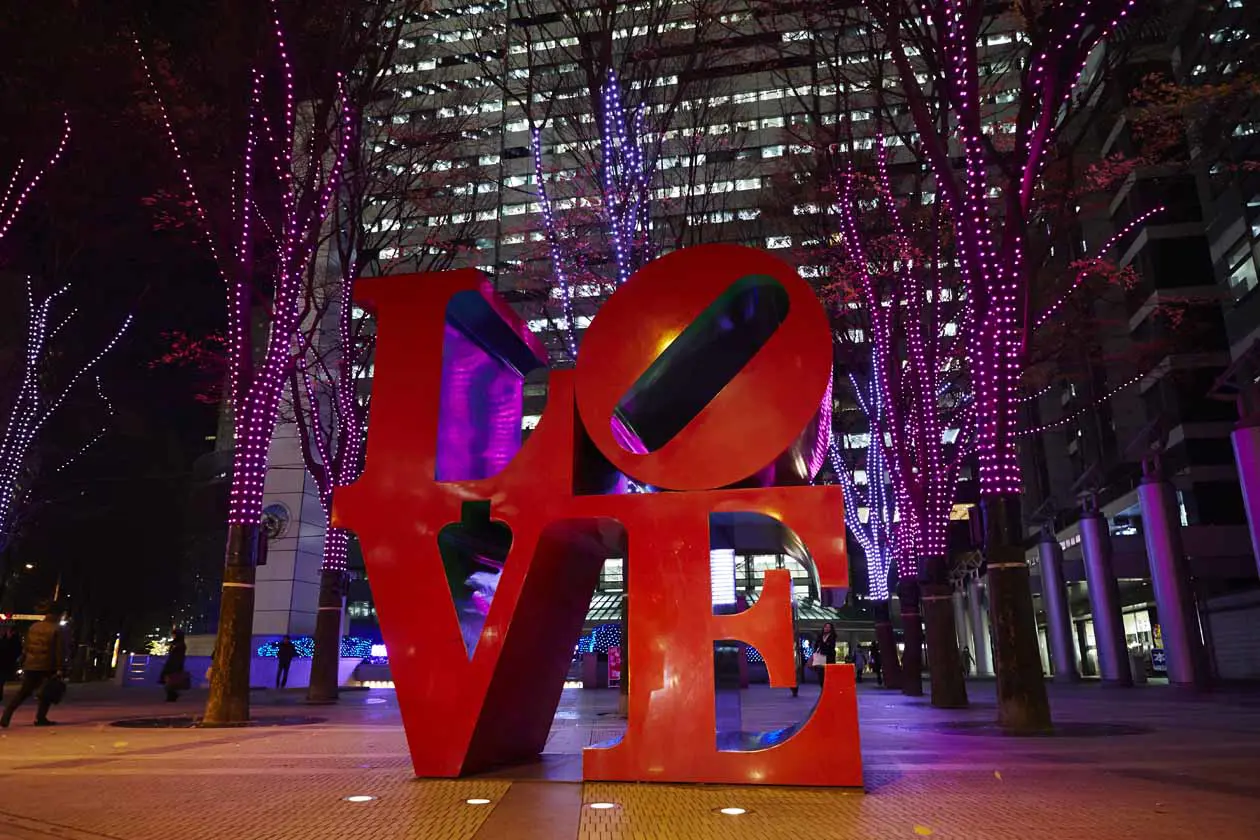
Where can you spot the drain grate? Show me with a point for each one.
(1068, 729)
(189, 722)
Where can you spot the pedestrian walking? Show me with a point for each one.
(284, 655)
(175, 677)
(44, 658)
(859, 662)
(824, 650)
(967, 661)
(10, 656)
(877, 664)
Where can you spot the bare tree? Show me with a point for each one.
(37, 383)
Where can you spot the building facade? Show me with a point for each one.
(1138, 401)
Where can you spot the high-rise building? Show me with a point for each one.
(1145, 355)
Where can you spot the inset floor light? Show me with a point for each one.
(362, 797)
(732, 812)
(602, 806)
(477, 801)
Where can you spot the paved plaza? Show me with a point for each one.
(1147, 763)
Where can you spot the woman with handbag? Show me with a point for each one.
(824, 650)
(174, 677)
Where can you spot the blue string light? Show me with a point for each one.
(352, 647)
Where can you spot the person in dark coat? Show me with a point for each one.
(284, 655)
(44, 659)
(825, 645)
(10, 656)
(877, 664)
(174, 674)
(800, 666)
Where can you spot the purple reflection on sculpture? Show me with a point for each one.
(480, 421)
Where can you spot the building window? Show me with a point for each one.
(1242, 269)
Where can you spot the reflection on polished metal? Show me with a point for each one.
(1161, 526)
(1058, 610)
(960, 622)
(735, 440)
(1246, 438)
(1104, 599)
(979, 627)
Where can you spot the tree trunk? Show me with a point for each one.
(229, 679)
(326, 661)
(1023, 706)
(949, 688)
(912, 627)
(887, 641)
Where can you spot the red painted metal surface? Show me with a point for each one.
(464, 714)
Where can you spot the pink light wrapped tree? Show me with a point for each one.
(263, 241)
(388, 193)
(978, 97)
(992, 192)
(898, 310)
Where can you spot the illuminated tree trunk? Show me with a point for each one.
(332, 604)
(949, 688)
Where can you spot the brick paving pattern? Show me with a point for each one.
(1190, 771)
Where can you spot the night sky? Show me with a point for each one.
(112, 524)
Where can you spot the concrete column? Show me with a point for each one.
(979, 627)
(1104, 599)
(1246, 438)
(1183, 646)
(1058, 610)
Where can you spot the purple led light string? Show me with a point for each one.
(1107, 246)
(256, 391)
(31, 409)
(568, 328)
(301, 222)
(9, 212)
(1068, 418)
(177, 150)
(625, 180)
(95, 439)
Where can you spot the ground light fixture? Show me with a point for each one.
(602, 806)
(476, 801)
(360, 797)
(732, 812)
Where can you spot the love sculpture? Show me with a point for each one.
(447, 479)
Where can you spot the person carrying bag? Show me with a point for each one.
(175, 678)
(41, 667)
